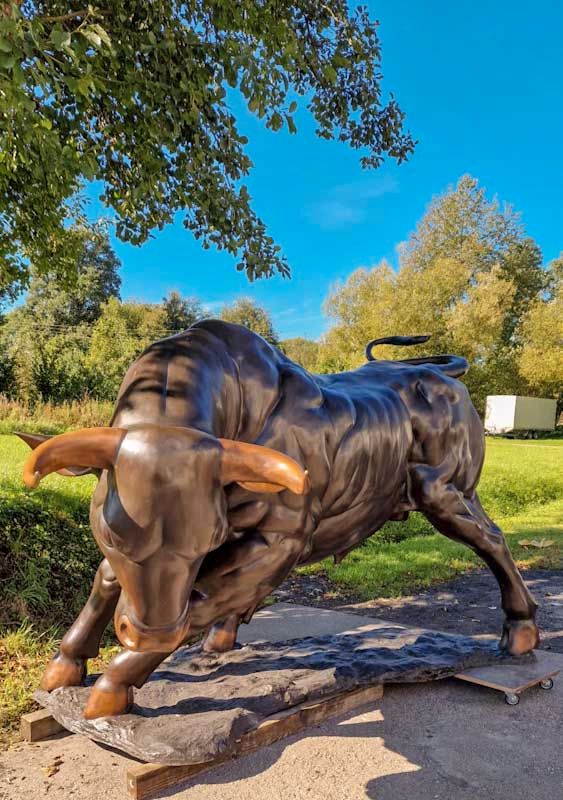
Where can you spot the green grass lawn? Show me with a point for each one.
(521, 488)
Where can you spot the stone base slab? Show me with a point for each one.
(196, 706)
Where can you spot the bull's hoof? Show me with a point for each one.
(222, 637)
(63, 671)
(108, 700)
(519, 637)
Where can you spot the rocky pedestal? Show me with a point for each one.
(196, 705)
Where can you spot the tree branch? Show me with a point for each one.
(67, 17)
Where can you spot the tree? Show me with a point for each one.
(121, 333)
(46, 363)
(466, 275)
(7, 372)
(245, 311)
(541, 357)
(303, 351)
(80, 301)
(464, 225)
(361, 308)
(138, 96)
(47, 339)
(181, 312)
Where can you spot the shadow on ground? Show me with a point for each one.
(468, 605)
(445, 741)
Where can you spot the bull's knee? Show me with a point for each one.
(108, 585)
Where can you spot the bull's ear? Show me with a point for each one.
(261, 469)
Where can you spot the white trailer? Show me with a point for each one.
(509, 414)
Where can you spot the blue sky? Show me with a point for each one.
(480, 83)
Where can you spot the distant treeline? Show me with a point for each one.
(468, 275)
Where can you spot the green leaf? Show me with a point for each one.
(7, 61)
(89, 167)
(330, 73)
(83, 85)
(102, 33)
(61, 38)
(291, 124)
(5, 45)
(17, 74)
(92, 37)
(276, 121)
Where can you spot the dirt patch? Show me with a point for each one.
(467, 605)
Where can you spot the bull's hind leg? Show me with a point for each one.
(462, 518)
(82, 640)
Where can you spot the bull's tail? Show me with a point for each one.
(454, 366)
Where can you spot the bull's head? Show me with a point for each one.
(158, 510)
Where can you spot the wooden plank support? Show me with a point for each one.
(39, 725)
(145, 780)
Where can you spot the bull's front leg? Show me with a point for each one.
(236, 578)
(82, 640)
(223, 635)
(241, 574)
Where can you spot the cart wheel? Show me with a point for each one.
(511, 698)
(547, 684)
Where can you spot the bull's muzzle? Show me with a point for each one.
(135, 635)
(143, 639)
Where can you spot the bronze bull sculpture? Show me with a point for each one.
(226, 465)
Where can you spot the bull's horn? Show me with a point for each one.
(261, 469)
(89, 448)
(33, 440)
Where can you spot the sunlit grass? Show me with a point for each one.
(24, 652)
(52, 418)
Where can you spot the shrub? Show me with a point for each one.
(50, 418)
(47, 557)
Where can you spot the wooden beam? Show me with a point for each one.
(39, 725)
(145, 780)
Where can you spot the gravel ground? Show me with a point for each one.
(440, 741)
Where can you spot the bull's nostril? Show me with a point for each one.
(123, 628)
